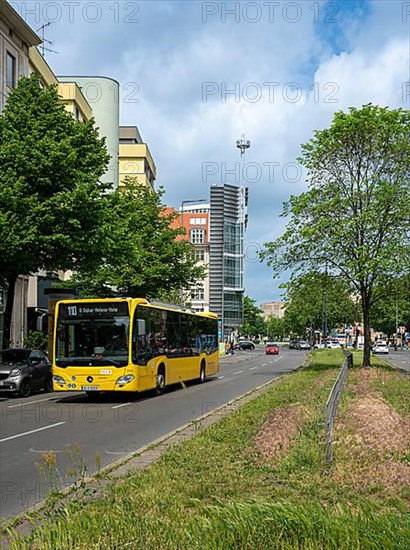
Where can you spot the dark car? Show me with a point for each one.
(246, 344)
(24, 370)
(293, 344)
(271, 349)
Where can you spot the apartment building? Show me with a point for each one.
(16, 38)
(195, 219)
(135, 158)
(273, 308)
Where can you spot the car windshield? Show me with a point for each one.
(14, 356)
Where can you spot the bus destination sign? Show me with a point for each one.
(93, 309)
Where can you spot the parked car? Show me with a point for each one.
(380, 348)
(24, 370)
(246, 344)
(293, 344)
(302, 344)
(320, 346)
(271, 349)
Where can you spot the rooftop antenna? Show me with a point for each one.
(44, 40)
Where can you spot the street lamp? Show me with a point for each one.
(190, 201)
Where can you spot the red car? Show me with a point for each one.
(271, 349)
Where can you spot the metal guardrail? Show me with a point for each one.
(328, 415)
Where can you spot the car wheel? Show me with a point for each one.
(48, 386)
(160, 381)
(25, 388)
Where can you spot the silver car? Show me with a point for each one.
(24, 370)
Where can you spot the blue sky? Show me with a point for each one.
(289, 66)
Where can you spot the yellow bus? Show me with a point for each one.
(130, 345)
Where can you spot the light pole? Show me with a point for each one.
(182, 225)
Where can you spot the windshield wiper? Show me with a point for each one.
(88, 361)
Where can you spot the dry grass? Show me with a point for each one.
(277, 434)
(373, 438)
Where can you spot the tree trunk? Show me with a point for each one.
(8, 311)
(366, 328)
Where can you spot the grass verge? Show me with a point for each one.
(254, 479)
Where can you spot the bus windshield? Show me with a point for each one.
(96, 334)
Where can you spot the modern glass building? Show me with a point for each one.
(228, 221)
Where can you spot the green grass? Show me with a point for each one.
(216, 491)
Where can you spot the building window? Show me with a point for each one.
(10, 70)
(197, 236)
(197, 294)
(198, 221)
(77, 113)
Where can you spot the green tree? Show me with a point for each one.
(317, 301)
(253, 323)
(355, 216)
(393, 309)
(50, 195)
(143, 256)
(275, 328)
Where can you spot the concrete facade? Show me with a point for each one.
(102, 94)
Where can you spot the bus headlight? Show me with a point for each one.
(58, 379)
(126, 379)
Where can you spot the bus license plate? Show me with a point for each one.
(90, 388)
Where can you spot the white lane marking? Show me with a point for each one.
(264, 364)
(253, 368)
(32, 402)
(122, 405)
(31, 432)
(33, 450)
(220, 377)
(238, 372)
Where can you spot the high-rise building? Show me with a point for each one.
(228, 221)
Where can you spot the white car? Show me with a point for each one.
(333, 344)
(380, 348)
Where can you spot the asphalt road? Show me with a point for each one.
(400, 359)
(79, 429)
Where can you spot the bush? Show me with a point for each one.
(36, 340)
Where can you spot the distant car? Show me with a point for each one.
(320, 346)
(333, 344)
(246, 344)
(380, 348)
(271, 349)
(24, 370)
(302, 344)
(293, 344)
